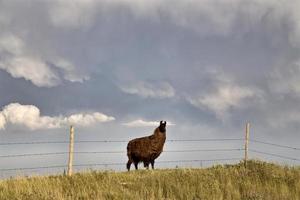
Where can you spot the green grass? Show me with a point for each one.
(259, 181)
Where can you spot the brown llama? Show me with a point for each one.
(147, 149)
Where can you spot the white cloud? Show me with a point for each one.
(70, 72)
(221, 100)
(17, 60)
(150, 90)
(30, 117)
(223, 93)
(142, 123)
(88, 119)
(18, 65)
(2, 121)
(34, 70)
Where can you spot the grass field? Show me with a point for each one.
(259, 181)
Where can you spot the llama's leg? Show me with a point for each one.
(146, 165)
(152, 164)
(136, 165)
(129, 164)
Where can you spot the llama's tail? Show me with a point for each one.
(129, 157)
(128, 150)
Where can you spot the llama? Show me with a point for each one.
(147, 149)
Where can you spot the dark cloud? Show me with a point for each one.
(207, 66)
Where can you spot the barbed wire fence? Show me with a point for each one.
(243, 141)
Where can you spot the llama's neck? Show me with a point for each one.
(159, 134)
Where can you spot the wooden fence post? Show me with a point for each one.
(247, 142)
(71, 149)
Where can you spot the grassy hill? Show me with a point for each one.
(259, 181)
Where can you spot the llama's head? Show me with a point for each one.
(162, 126)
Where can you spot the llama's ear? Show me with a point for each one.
(165, 123)
(161, 122)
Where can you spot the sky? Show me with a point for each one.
(115, 68)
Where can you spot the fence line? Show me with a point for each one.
(112, 152)
(113, 141)
(246, 139)
(110, 164)
(166, 161)
(172, 140)
(163, 161)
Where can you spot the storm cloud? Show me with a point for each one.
(211, 62)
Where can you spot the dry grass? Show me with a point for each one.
(259, 181)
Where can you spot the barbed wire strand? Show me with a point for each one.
(204, 140)
(164, 161)
(32, 143)
(33, 168)
(199, 150)
(33, 154)
(112, 152)
(113, 141)
(111, 164)
(273, 144)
